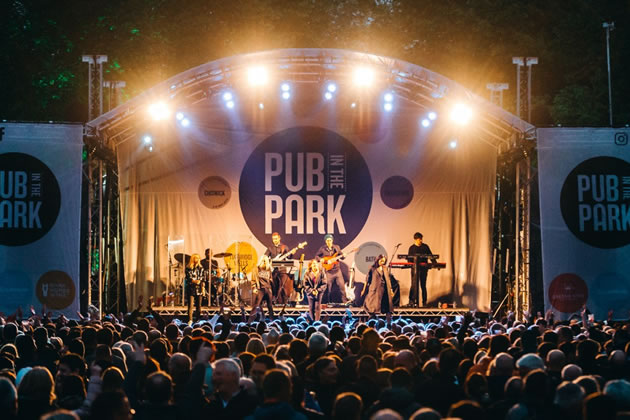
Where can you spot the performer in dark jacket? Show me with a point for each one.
(194, 278)
(333, 272)
(314, 287)
(418, 273)
(280, 276)
(379, 295)
(262, 287)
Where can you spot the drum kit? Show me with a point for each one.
(219, 285)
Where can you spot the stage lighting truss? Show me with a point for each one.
(333, 70)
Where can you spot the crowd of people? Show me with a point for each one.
(225, 367)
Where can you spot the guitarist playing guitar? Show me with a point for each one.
(329, 255)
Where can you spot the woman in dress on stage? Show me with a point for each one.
(378, 288)
(262, 281)
(194, 279)
(314, 287)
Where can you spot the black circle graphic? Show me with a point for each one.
(29, 199)
(595, 202)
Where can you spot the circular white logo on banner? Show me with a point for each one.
(214, 192)
(366, 255)
(29, 199)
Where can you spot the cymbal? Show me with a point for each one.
(182, 258)
(222, 255)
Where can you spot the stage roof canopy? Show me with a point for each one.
(418, 85)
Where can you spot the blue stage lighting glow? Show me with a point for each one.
(230, 104)
(432, 116)
(147, 139)
(331, 87)
(179, 116)
(388, 106)
(185, 122)
(328, 96)
(285, 87)
(227, 96)
(286, 95)
(425, 122)
(389, 97)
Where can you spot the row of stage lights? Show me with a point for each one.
(362, 77)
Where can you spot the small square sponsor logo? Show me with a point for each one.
(621, 139)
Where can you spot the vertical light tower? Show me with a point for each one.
(95, 187)
(496, 92)
(609, 26)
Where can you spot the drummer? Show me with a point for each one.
(210, 268)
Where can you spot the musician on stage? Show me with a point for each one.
(194, 279)
(280, 277)
(418, 272)
(314, 288)
(261, 287)
(378, 289)
(210, 267)
(333, 272)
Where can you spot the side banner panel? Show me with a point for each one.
(40, 214)
(585, 219)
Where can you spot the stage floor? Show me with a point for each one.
(181, 311)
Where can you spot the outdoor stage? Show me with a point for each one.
(357, 311)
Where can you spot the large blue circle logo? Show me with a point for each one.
(303, 183)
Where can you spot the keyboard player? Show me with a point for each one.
(418, 272)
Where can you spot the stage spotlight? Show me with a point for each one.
(147, 139)
(150, 148)
(331, 87)
(363, 76)
(286, 95)
(179, 116)
(461, 114)
(353, 105)
(227, 96)
(432, 116)
(185, 122)
(285, 87)
(257, 76)
(452, 144)
(328, 96)
(158, 111)
(388, 106)
(230, 104)
(388, 97)
(261, 106)
(425, 122)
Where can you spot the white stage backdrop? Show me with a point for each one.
(585, 219)
(40, 216)
(304, 170)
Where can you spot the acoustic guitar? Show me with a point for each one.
(330, 262)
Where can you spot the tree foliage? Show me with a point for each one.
(42, 76)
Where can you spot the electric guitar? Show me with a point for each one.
(350, 285)
(282, 257)
(329, 262)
